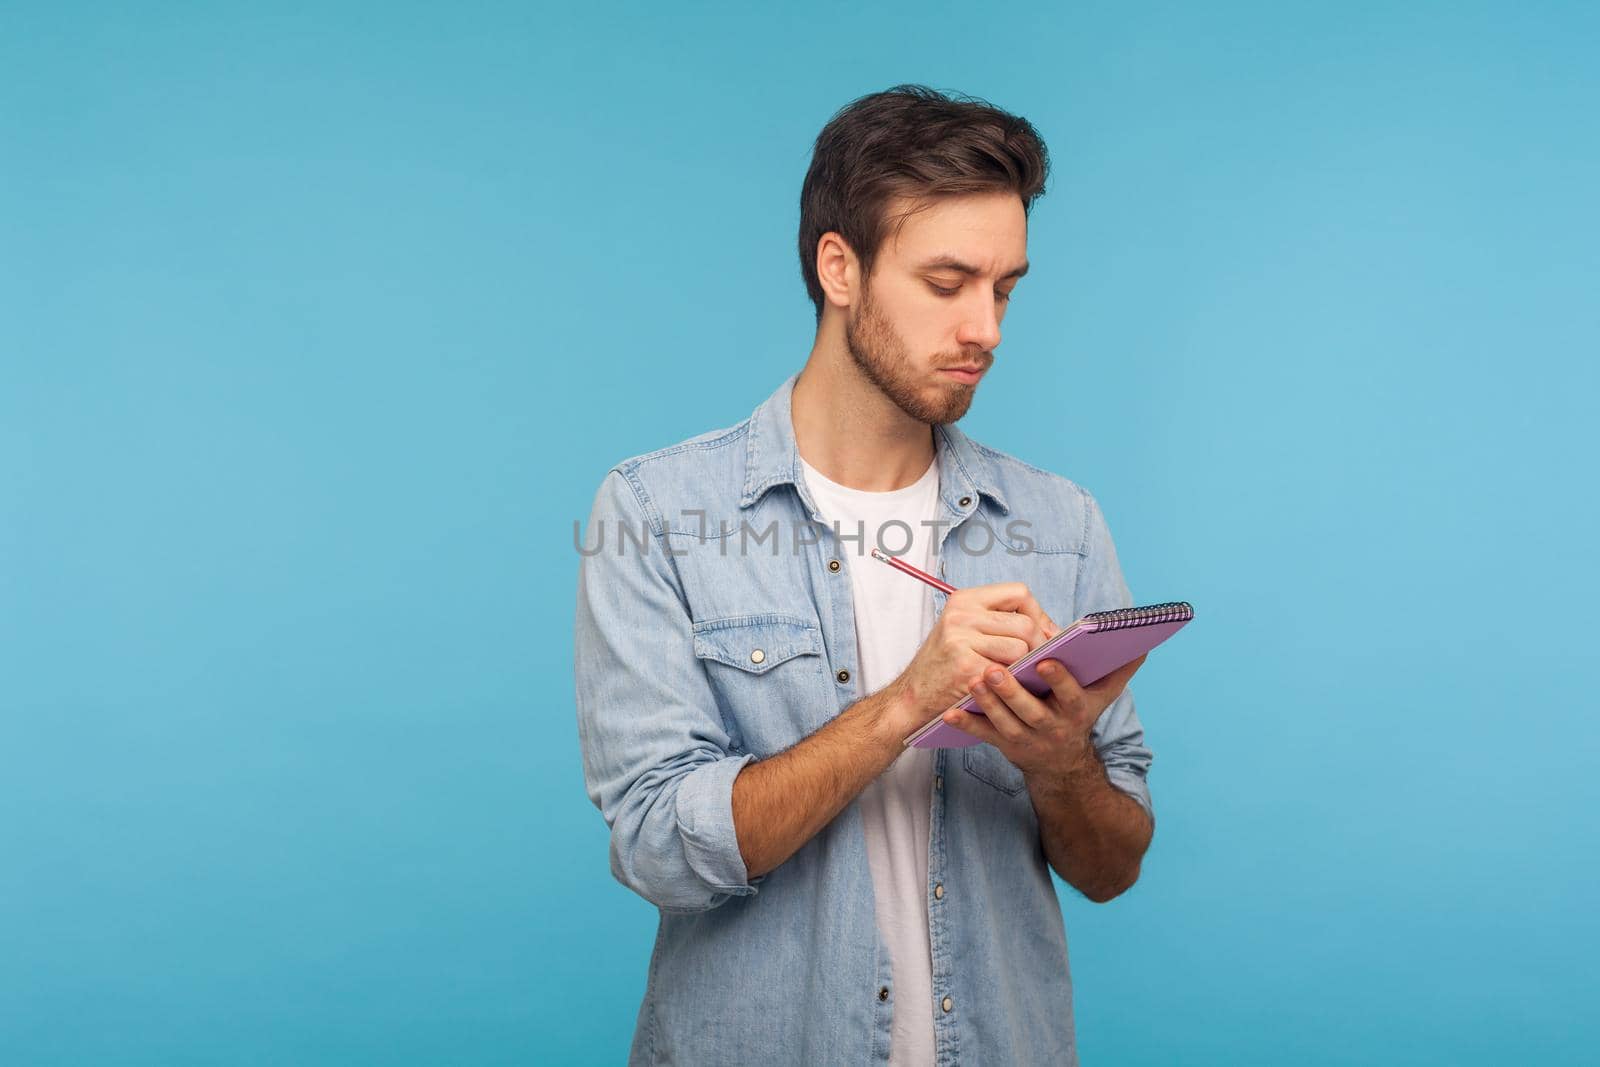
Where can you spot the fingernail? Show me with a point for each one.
(995, 676)
(1048, 668)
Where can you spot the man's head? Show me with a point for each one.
(913, 231)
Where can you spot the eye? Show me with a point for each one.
(942, 291)
(1002, 297)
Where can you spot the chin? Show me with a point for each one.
(957, 407)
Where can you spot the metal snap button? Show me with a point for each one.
(757, 656)
(964, 501)
(833, 565)
(946, 1004)
(844, 676)
(883, 993)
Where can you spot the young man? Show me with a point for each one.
(746, 672)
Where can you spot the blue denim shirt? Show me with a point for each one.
(712, 549)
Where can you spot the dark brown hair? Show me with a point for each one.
(909, 141)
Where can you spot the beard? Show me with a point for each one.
(882, 358)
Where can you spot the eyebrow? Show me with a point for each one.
(952, 263)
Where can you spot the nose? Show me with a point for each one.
(981, 326)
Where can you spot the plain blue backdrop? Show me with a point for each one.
(319, 327)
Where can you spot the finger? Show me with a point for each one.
(1028, 607)
(1005, 721)
(1012, 610)
(998, 596)
(1032, 711)
(1061, 681)
(1008, 596)
(976, 725)
(1001, 651)
(1035, 611)
(1013, 624)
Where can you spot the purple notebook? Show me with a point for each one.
(1090, 649)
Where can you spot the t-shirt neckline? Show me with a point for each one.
(870, 494)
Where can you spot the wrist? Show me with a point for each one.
(896, 716)
(1071, 774)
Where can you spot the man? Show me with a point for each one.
(746, 673)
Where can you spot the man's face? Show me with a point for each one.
(935, 300)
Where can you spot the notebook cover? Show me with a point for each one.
(1090, 649)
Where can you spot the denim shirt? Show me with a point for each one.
(715, 627)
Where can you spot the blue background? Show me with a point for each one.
(320, 326)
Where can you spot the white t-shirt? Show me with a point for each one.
(894, 613)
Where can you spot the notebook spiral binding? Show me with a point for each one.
(1123, 618)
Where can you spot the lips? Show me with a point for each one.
(965, 375)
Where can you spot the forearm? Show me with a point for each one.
(1094, 835)
(781, 802)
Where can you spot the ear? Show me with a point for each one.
(838, 270)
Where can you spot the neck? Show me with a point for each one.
(845, 427)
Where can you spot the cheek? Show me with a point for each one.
(927, 331)
(919, 329)
(923, 325)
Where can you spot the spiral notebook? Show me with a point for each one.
(1090, 649)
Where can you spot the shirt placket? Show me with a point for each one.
(830, 570)
(940, 889)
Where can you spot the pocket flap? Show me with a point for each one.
(756, 643)
(990, 766)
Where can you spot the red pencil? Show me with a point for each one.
(902, 565)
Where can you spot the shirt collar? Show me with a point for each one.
(772, 457)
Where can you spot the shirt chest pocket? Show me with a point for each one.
(769, 675)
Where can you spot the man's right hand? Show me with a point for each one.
(981, 626)
(781, 802)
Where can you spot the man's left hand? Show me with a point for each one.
(1043, 736)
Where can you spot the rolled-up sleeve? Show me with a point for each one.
(656, 758)
(1118, 735)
